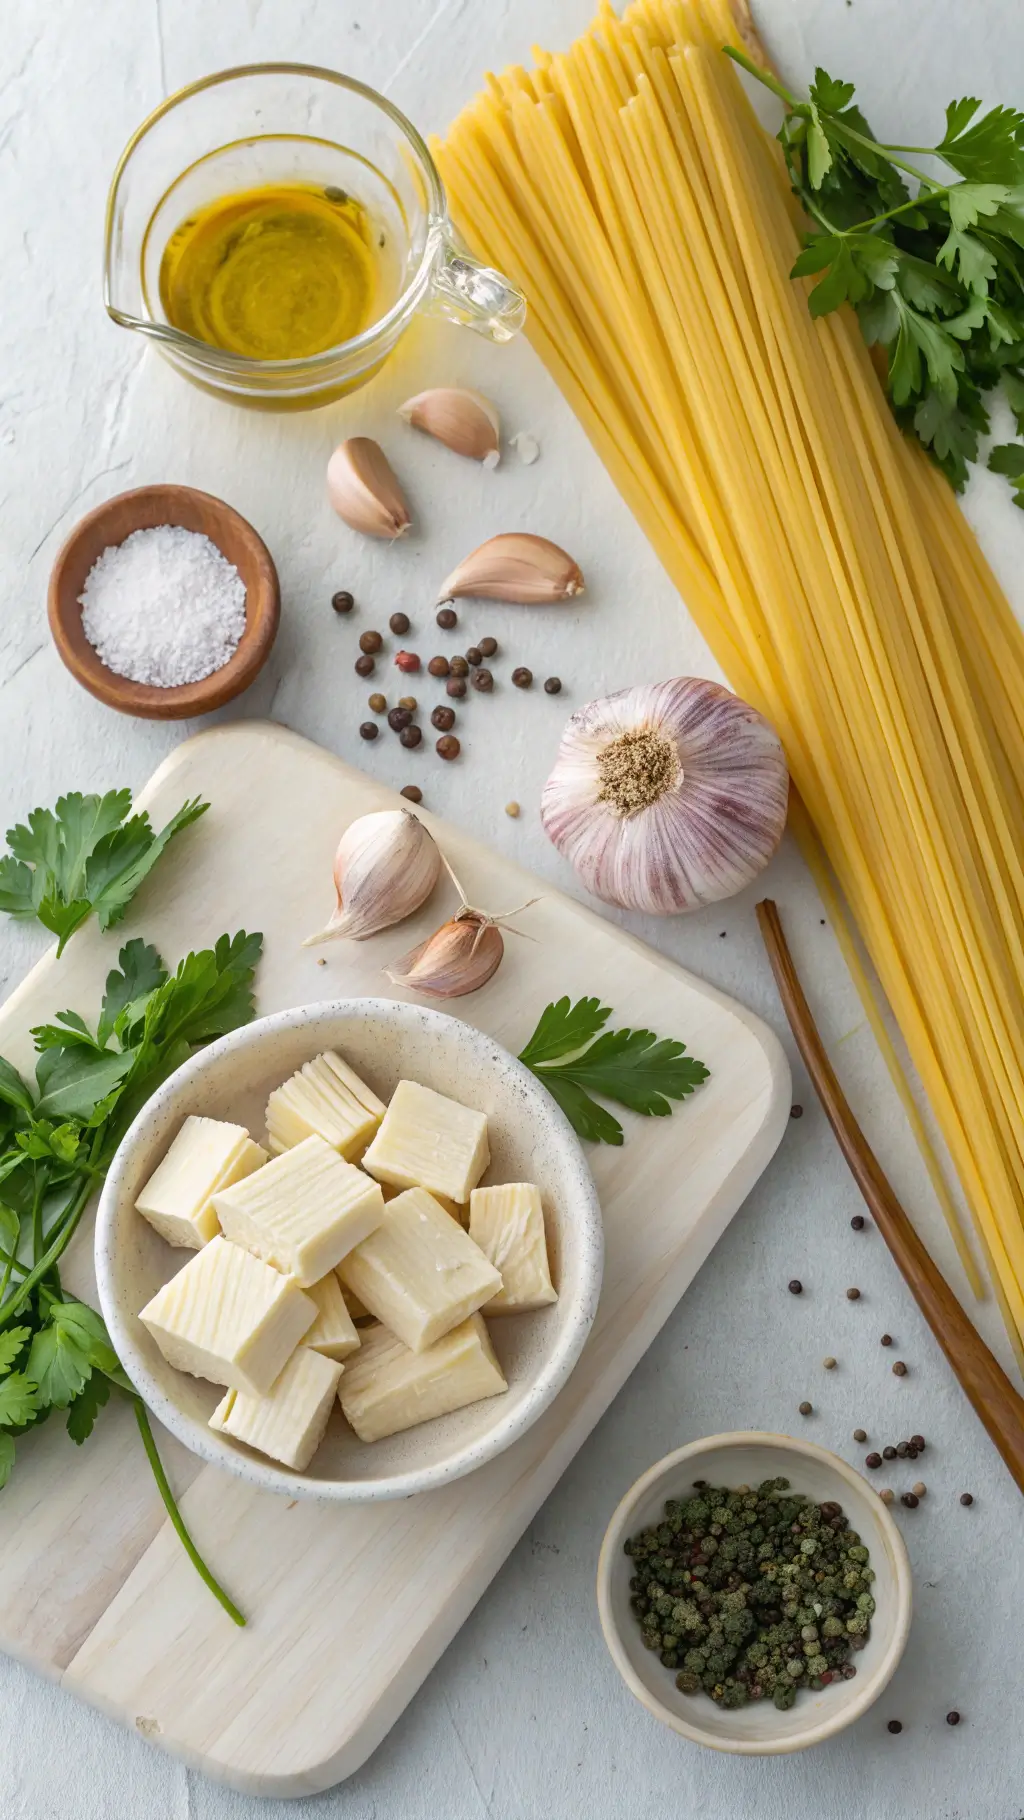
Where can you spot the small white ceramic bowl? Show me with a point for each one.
(530, 1140)
(758, 1730)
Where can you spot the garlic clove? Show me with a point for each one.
(363, 490)
(386, 866)
(459, 957)
(464, 421)
(516, 566)
(667, 797)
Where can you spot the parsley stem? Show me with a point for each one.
(163, 1486)
(37, 1214)
(913, 202)
(65, 1226)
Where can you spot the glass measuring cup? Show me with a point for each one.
(293, 123)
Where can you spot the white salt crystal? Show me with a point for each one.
(164, 607)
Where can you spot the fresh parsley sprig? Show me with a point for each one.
(58, 1137)
(936, 272)
(636, 1069)
(88, 854)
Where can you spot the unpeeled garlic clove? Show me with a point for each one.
(459, 957)
(516, 566)
(386, 866)
(463, 420)
(363, 490)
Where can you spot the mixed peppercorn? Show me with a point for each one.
(752, 1594)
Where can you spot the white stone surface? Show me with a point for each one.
(524, 1717)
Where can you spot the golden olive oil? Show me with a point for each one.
(274, 273)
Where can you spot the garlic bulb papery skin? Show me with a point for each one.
(668, 796)
(459, 957)
(363, 489)
(386, 866)
(464, 421)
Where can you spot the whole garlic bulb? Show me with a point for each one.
(386, 866)
(667, 796)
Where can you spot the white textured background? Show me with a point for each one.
(524, 1717)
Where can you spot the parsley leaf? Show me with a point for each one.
(141, 972)
(84, 1408)
(632, 1067)
(19, 1400)
(11, 1342)
(6, 1458)
(89, 853)
(1008, 458)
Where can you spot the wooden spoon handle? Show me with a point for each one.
(995, 1400)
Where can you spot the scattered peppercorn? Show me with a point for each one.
(829, 1363)
(342, 602)
(378, 703)
(888, 1453)
(399, 718)
(459, 667)
(365, 665)
(806, 1408)
(894, 1726)
(919, 1489)
(448, 746)
(399, 623)
(918, 1442)
(321, 962)
(795, 1286)
(886, 1339)
(407, 661)
(750, 1594)
(886, 1495)
(522, 677)
(443, 719)
(796, 1112)
(910, 1499)
(860, 1434)
(512, 809)
(488, 647)
(966, 1498)
(899, 1369)
(911, 1451)
(410, 736)
(853, 1295)
(873, 1460)
(953, 1718)
(412, 792)
(370, 641)
(553, 685)
(438, 666)
(857, 1222)
(447, 618)
(456, 686)
(483, 680)
(903, 1448)
(368, 729)
(474, 656)
(407, 701)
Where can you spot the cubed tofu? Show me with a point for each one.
(428, 1141)
(326, 1099)
(303, 1212)
(386, 1388)
(507, 1223)
(333, 1332)
(419, 1273)
(207, 1154)
(288, 1423)
(228, 1317)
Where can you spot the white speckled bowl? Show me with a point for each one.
(759, 1730)
(530, 1140)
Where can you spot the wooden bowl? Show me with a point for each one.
(111, 523)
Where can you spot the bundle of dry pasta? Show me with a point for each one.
(630, 190)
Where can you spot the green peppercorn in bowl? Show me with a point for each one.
(754, 1593)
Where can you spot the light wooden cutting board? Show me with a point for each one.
(348, 1607)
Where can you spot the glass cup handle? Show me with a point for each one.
(475, 295)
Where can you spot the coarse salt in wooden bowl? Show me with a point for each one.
(142, 509)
